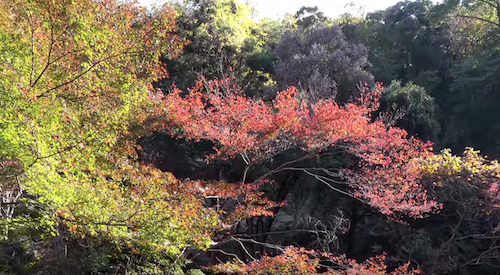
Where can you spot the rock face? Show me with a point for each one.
(314, 214)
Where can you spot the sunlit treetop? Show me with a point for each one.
(75, 96)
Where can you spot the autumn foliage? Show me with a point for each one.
(387, 176)
(471, 169)
(295, 261)
(76, 96)
(76, 79)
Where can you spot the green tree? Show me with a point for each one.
(487, 11)
(310, 17)
(267, 35)
(75, 92)
(474, 96)
(411, 108)
(217, 32)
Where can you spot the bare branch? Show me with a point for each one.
(322, 180)
(477, 260)
(283, 166)
(244, 248)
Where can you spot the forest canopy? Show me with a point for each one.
(190, 138)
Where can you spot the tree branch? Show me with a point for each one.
(48, 56)
(476, 260)
(479, 18)
(283, 166)
(81, 74)
(32, 30)
(320, 179)
(489, 3)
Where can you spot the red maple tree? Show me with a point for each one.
(387, 176)
(298, 261)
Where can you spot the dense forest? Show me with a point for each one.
(191, 138)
